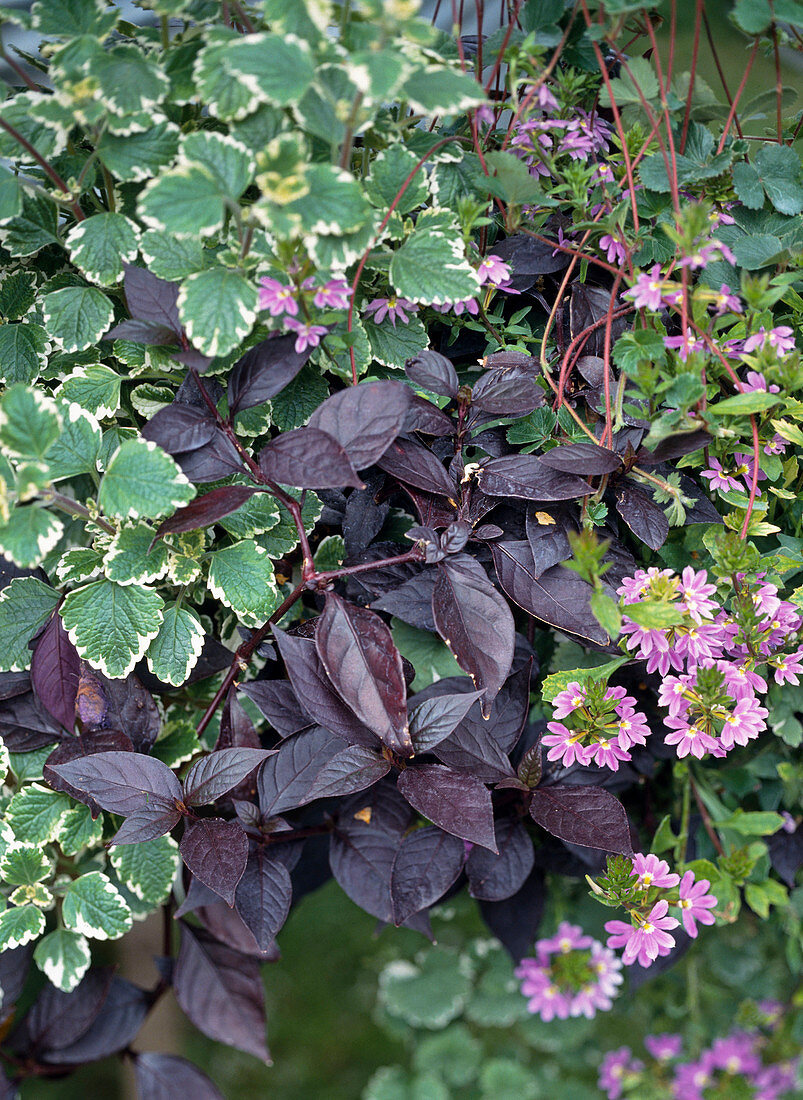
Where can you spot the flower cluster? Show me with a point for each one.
(597, 725)
(542, 136)
(570, 975)
(284, 299)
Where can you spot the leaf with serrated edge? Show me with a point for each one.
(218, 308)
(63, 957)
(241, 576)
(94, 907)
(143, 481)
(25, 606)
(20, 925)
(30, 535)
(174, 652)
(111, 625)
(100, 244)
(130, 559)
(147, 869)
(76, 317)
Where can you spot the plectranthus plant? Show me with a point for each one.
(399, 483)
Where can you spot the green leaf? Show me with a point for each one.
(111, 625)
(439, 91)
(78, 564)
(174, 652)
(185, 201)
(654, 615)
(30, 535)
(95, 908)
(178, 746)
(78, 831)
(100, 245)
(142, 480)
(637, 82)
(29, 422)
(131, 83)
(35, 228)
(130, 559)
(334, 203)
(95, 388)
(255, 517)
(28, 766)
(393, 345)
(228, 161)
(432, 268)
(23, 352)
(139, 156)
(430, 994)
(559, 681)
(77, 448)
(218, 308)
(283, 537)
(742, 404)
(241, 576)
(76, 317)
(512, 181)
(11, 195)
(496, 1000)
(35, 812)
(17, 295)
(63, 957)
(388, 174)
(25, 606)
(752, 822)
(504, 1077)
(747, 184)
(273, 69)
(148, 868)
(72, 18)
(20, 925)
(453, 1054)
(757, 250)
(296, 403)
(226, 98)
(25, 863)
(171, 257)
(779, 170)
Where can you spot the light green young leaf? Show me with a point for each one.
(78, 831)
(93, 907)
(35, 813)
(257, 515)
(174, 652)
(111, 625)
(30, 422)
(130, 560)
(389, 172)
(78, 564)
(218, 308)
(142, 480)
(637, 80)
(432, 268)
(20, 925)
(77, 448)
(30, 535)
(100, 245)
(23, 352)
(241, 576)
(24, 863)
(272, 68)
(95, 388)
(63, 957)
(25, 606)
(77, 317)
(147, 869)
(139, 156)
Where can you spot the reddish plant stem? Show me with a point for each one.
(778, 81)
(46, 165)
(698, 15)
(575, 349)
(606, 359)
(511, 23)
(738, 96)
(721, 74)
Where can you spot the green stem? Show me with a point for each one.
(683, 837)
(73, 508)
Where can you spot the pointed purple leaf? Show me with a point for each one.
(527, 478)
(263, 897)
(285, 778)
(427, 864)
(219, 772)
(414, 464)
(364, 419)
(179, 428)
(123, 782)
(435, 719)
(55, 669)
(458, 803)
(309, 459)
(587, 459)
(145, 825)
(496, 877)
(215, 851)
(150, 298)
(263, 372)
(164, 1076)
(589, 816)
(434, 372)
(206, 510)
(351, 770)
(646, 519)
(277, 701)
(115, 1027)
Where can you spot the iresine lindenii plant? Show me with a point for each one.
(400, 484)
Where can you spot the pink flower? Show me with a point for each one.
(776, 446)
(607, 754)
(719, 479)
(277, 298)
(782, 339)
(569, 937)
(756, 382)
(493, 270)
(744, 723)
(633, 728)
(616, 1066)
(663, 1047)
(695, 903)
(307, 336)
(334, 295)
(644, 942)
(570, 699)
(685, 345)
(392, 307)
(566, 978)
(726, 300)
(744, 468)
(564, 745)
(613, 249)
(647, 290)
(653, 871)
(467, 305)
(689, 739)
(696, 593)
(788, 667)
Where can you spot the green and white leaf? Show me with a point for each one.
(227, 160)
(136, 157)
(5, 763)
(218, 308)
(334, 204)
(25, 863)
(432, 268)
(78, 831)
(23, 352)
(148, 868)
(77, 317)
(100, 245)
(37, 894)
(241, 576)
(225, 97)
(93, 907)
(174, 652)
(77, 448)
(389, 172)
(111, 625)
(68, 18)
(171, 257)
(178, 746)
(257, 515)
(20, 925)
(30, 422)
(283, 538)
(30, 535)
(441, 91)
(78, 564)
(130, 81)
(29, 766)
(25, 606)
(274, 68)
(130, 559)
(393, 345)
(143, 481)
(96, 388)
(185, 201)
(63, 957)
(35, 813)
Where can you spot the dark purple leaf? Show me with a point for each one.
(592, 368)
(55, 669)
(85, 744)
(427, 864)
(471, 748)
(589, 816)
(277, 701)
(497, 877)
(352, 769)
(122, 1015)
(582, 458)
(123, 782)
(150, 298)
(119, 705)
(529, 259)
(219, 772)
(433, 511)
(509, 712)
(226, 925)
(308, 458)
(286, 777)
(515, 920)
(166, 1076)
(549, 543)
(527, 478)
(142, 332)
(263, 372)
(455, 537)
(646, 519)
(263, 897)
(364, 419)
(215, 851)
(25, 725)
(365, 668)
(427, 418)
(14, 965)
(475, 622)
(458, 803)
(145, 825)
(206, 509)
(675, 446)
(501, 393)
(786, 853)
(214, 460)
(194, 359)
(530, 766)
(364, 516)
(361, 856)
(558, 596)
(236, 730)
(434, 372)
(13, 684)
(412, 600)
(588, 304)
(414, 464)
(435, 719)
(429, 540)
(179, 428)
(315, 693)
(221, 992)
(58, 1019)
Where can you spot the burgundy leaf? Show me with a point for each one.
(786, 853)
(434, 372)
(221, 992)
(55, 669)
(219, 772)
(277, 701)
(587, 305)
(206, 509)
(528, 478)
(179, 428)
(85, 744)
(226, 925)
(364, 516)
(315, 693)
(142, 332)
(529, 259)
(263, 897)
(509, 710)
(497, 877)
(471, 748)
(475, 622)
(119, 705)
(582, 458)
(412, 600)
(427, 418)
(236, 728)
(164, 1076)
(549, 543)
(365, 668)
(414, 464)
(361, 856)
(116, 1026)
(13, 684)
(352, 769)
(150, 298)
(216, 459)
(515, 920)
(428, 862)
(263, 372)
(435, 719)
(58, 1019)
(215, 851)
(458, 803)
(145, 825)
(14, 965)
(25, 725)
(308, 458)
(364, 419)
(123, 782)
(286, 777)
(434, 511)
(589, 816)
(501, 393)
(675, 446)
(646, 519)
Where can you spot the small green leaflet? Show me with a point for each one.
(30, 422)
(95, 388)
(93, 907)
(30, 535)
(77, 317)
(20, 925)
(388, 174)
(142, 480)
(23, 352)
(175, 650)
(431, 267)
(147, 869)
(242, 577)
(25, 606)
(10, 196)
(227, 98)
(35, 813)
(100, 245)
(255, 517)
(77, 448)
(559, 681)
(77, 831)
(185, 201)
(17, 295)
(440, 91)
(393, 346)
(130, 560)
(138, 156)
(24, 864)
(218, 308)
(111, 625)
(78, 564)
(63, 957)
(227, 160)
